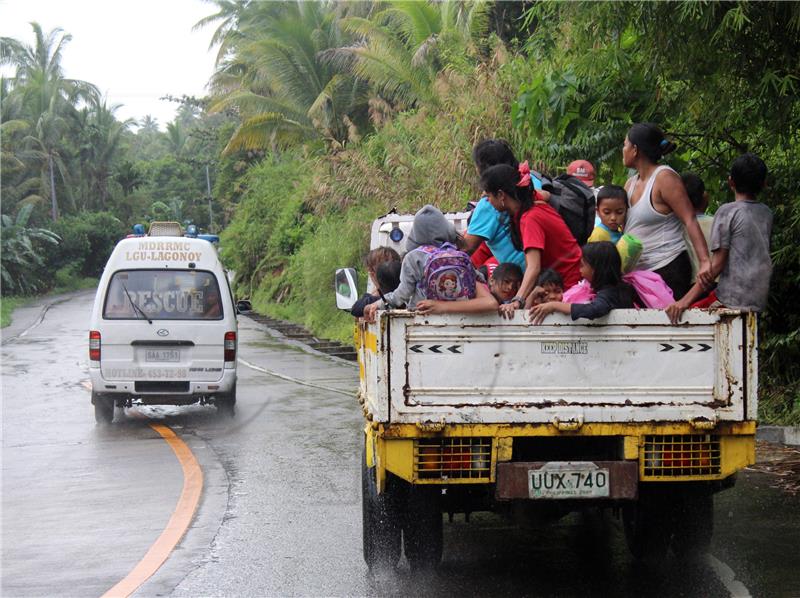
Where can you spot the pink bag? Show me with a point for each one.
(650, 287)
(579, 293)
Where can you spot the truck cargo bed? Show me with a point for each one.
(630, 366)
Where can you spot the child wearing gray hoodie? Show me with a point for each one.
(430, 228)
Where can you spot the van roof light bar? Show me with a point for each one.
(165, 229)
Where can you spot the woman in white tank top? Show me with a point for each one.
(659, 209)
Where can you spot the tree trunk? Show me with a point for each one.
(54, 205)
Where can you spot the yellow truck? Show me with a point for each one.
(467, 413)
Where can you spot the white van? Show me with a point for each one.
(163, 327)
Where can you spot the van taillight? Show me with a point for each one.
(230, 347)
(94, 345)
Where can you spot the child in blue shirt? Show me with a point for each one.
(486, 223)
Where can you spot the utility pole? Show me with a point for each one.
(210, 212)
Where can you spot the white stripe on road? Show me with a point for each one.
(728, 578)
(346, 393)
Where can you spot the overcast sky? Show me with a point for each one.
(134, 51)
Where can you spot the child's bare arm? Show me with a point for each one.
(471, 242)
(538, 313)
(675, 311)
(533, 265)
(483, 302)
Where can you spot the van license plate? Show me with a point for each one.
(568, 480)
(162, 355)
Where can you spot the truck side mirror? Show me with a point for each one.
(243, 306)
(346, 287)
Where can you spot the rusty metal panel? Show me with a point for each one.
(631, 366)
(512, 479)
(373, 369)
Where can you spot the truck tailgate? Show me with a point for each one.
(631, 366)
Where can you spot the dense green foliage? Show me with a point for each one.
(721, 78)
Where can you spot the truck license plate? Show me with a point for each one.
(162, 355)
(568, 480)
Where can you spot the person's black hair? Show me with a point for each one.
(612, 192)
(695, 188)
(650, 140)
(491, 152)
(549, 276)
(483, 271)
(387, 275)
(749, 173)
(604, 259)
(507, 271)
(503, 177)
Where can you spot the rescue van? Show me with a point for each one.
(163, 327)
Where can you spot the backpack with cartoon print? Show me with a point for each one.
(448, 274)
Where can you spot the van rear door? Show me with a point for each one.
(164, 325)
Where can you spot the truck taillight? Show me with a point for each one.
(440, 458)
(94, 345)
(230, 347)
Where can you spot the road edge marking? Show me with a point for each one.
(252, 366)
(178, 523)
(728, 577)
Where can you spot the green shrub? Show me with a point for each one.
(87, 241)
(270, 222)
(66, 277)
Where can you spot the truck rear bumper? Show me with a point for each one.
(513, 479)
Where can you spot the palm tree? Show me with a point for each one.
(148, 124)
(129, 177)
(229, 15)
(19, 185)
(400, 49)
(272, 77)
(176, 138)
(47, 98)
(100, 135)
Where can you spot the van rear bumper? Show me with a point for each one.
(171, 388)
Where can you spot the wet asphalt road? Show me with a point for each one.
(281, 509)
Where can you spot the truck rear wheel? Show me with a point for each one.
(380, 521)
(422, 529)
(694, 522)
(647, 524)
(103, 408)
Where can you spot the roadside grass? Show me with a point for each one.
(9, 304)
(779, 404)
(7, 307)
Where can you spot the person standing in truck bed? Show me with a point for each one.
(740, 241)
(660, 210)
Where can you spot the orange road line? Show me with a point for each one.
(176, 526)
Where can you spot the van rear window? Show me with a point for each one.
(163, 295)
